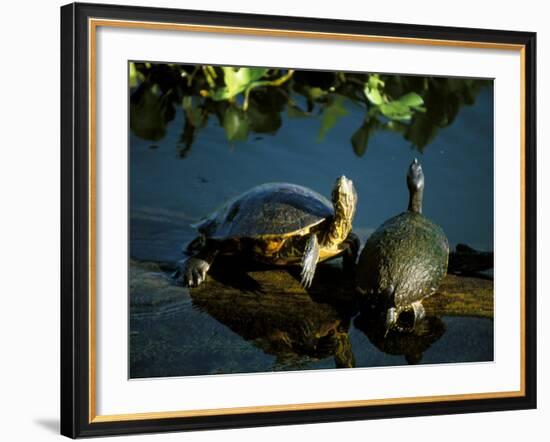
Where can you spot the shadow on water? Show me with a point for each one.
(411, 345)
(225, 327)
(288, 324)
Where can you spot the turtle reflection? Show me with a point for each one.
(290, 325)
(411, 344)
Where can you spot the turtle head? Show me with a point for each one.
(415, 176)
(344, 200)
(415, 183)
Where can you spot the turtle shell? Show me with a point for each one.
(407, 255)
(268, 210)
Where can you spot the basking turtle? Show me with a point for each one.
(404, 260)
(278, 224)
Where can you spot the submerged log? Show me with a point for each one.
(457, 295)
(465, 260)
(270, 308)
(462, 296)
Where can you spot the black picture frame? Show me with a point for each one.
(75, 220)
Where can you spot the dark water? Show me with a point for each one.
(173, 332)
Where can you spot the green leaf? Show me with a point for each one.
(236, 81)
(150, 112)
(136, 77)
(244, 76)
(263, 121)
(374, 96)
(396, 110)
(375, 81)
(236, 125)
(187, 102)
(331, 114)
(422, 131)
(221, 94)
(193, 114)
(404, 107)
(373, 90)
(360, 139)
(412, 99)
(315, 93)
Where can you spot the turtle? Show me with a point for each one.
(404, 260)
(278, 224)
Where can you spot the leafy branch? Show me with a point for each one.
(252, 100)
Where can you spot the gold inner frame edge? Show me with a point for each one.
(93, 24)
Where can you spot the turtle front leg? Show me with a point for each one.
(309, 260)
(351, 245)
(391, 320)
(196, 267)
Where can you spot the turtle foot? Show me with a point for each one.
(307, 277)
(194, 272)
(391, 320)
(309, 261)
(352, 244)
(408, 320)
(419, 312)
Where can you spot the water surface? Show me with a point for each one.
(172, 333)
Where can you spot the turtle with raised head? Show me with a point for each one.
(278, 224)
(404, 260)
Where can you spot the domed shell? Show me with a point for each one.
(407, 255)
(268, 210)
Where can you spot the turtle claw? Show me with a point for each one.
(391, 320)
(195, 271)
(197, 277)
(419, 312)
(307, 277)
(309, 261)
